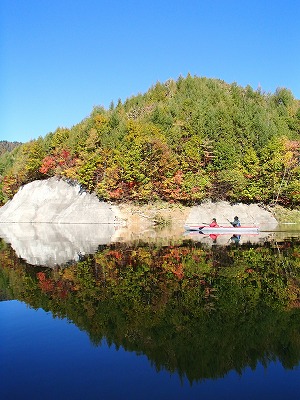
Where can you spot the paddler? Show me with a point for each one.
(213, 223)
(236, 222)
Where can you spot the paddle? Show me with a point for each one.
(230, 222)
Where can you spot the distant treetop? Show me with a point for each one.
(7, 146)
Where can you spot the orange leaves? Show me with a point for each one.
(174, 261)
(178, 177)
(46, 285)
(115, 254)
(56, 288)
(171, 188)
(57, 162)
(292, 153)
(10, 185)
(178, 271)
(250, 270)
(48, 164)
(131, 184)
(41, 276)
(292, 145)
(116, 194)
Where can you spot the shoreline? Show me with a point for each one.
(56, 201)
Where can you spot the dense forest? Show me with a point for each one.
(181, 141)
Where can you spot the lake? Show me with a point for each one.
(86, 316)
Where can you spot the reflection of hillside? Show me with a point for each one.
(194, 311)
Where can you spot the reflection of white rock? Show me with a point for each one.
(55, 244)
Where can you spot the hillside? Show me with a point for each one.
(7, 146)
(181, 141)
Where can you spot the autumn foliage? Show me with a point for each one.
(182, 141)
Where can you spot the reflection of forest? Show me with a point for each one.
(197, 311)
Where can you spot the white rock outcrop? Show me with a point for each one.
(57, 201)
(251, 214)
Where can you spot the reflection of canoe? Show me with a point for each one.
(223, 229)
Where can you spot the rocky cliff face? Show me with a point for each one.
(56, 201)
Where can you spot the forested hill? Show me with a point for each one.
(181, 141)
(7, 146)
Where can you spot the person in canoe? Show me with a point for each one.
(213, 223)
(236, 222)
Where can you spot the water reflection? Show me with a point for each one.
(55, 244)
(225, 239)
(195, 311)
(281, 232)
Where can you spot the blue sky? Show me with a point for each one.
(60, 58)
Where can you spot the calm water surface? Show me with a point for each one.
(150, 320)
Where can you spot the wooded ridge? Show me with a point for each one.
(7, 146)
(181, 141)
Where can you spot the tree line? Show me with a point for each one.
(182, 141)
